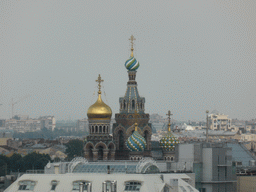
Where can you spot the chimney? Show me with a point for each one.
(56, 168)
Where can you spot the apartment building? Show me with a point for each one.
(219, 121)
(25, 124)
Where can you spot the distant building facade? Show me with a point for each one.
(48, 122)
(219, 121)
(212, 165)
(24, 124)
(82, 124)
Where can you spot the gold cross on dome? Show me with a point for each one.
(169, 120)
(99, 80)
(132, 39)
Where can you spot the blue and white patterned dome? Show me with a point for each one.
(169, 142)
(132, 64)
(136, 142)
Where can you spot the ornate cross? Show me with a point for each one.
(132, 39)
(169, 120)
(99, 80)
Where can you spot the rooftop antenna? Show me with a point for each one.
(207, 126)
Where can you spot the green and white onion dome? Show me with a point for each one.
(132, 64)
(136, 142)
(169, 142)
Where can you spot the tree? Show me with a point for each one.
(74, 148)
(14, 162)
(35, 161)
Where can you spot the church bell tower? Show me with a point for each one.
(130, 104)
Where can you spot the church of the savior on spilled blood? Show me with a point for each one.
(130, 137)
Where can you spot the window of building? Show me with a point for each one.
(54, 185)
(26, 185)
(76, 185)
(183, 189)
(132, 186)
(166, 189)
(109, 186)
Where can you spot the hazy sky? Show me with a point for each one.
(194, 55)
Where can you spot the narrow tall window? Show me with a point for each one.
(133, 104)
(124, 105)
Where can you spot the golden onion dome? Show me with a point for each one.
(99, 110)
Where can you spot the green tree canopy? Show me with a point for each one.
(74, 148)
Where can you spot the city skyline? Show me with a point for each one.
(193, 57)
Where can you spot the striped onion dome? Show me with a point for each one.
(169, 142)
(136, 142)
(132, 64)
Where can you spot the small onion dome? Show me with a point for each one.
(99, 110)
(132, 64)
(168, 142)
(136, 142)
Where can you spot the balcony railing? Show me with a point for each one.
(39, 171)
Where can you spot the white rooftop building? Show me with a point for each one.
(80, 175)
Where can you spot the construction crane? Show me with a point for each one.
(13, 103)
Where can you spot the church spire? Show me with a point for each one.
(99, 80)
(169, 120)
(132, 64)
(132, 39)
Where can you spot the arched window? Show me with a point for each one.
(27, 185)
(121, 139)
(124, 105)
(132, 186)
(133, 104)
(109, 186)
(96, 129)
(100, 153)
(86, 185)
(104, 129)
(100, 128)
(92, 129)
